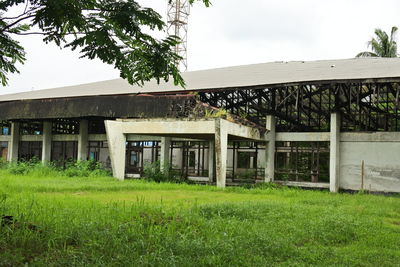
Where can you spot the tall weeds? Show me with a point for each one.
(34, 167)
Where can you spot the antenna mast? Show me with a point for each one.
(178, 16)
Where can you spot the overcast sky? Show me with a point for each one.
(232, 32)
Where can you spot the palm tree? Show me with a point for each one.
(382, 45)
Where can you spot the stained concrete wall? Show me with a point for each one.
(381, 155)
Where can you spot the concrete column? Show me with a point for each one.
(165, 151)
(14, 142)
(334, 165)
(211, 154)
(221, 152)
(117, 148)
(83, 140)
(270, 151)
(46, 143)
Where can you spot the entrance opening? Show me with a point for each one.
(139, 154)
(190, 158)
(245, 161)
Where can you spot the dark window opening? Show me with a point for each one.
(31, 128)
(63, 152)
(246, 160)
(30, 150)
(65, 126)
(5, 128)
(96, 127)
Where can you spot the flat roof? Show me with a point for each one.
(265, 74)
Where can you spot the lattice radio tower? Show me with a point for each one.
(177, 18)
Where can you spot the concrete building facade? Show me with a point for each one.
(322, 124)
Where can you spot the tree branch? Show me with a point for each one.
(16, 22)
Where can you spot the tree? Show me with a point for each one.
(110, 30)
(382, 45)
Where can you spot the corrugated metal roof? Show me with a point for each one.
(239, 76)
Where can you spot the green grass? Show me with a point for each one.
(98, 221)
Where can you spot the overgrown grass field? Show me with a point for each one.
(98, 221)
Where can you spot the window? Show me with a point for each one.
(5, 128)
(31, 128)
(30, 150)
(63, 151)
(246, 160)
(65, 126)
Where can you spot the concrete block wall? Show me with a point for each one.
(370, 161)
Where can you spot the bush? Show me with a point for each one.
(153, 172)
(85, 169)
(23, 167)
(73, 168)
(3, 163)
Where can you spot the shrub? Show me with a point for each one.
(153, 172)
(23, 167)
(84, 169)
(3, 163)
(73, 168)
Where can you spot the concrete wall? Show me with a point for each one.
(381, 155)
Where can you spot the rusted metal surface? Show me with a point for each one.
(128, 106)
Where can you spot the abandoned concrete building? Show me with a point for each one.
(326, 124)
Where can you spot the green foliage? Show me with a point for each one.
(382, 45)
(110, 30)
(85, 169)
(23, 167)
(220, 113)
(36, 168)
(3, 163)
(154, 172)
(247, 174)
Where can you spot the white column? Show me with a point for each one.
(46, 143)
(83, 140)
(165, 151)
(270, 150)
(117, 148)
(14, 142)
(211, 154)
(334, 166)
(221, 151)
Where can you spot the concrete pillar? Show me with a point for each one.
(46, 143)
(270, 151)
(83, 140)
(117, 148)
(221, 152)
(14, 142)
(334, 165)
(211, 155)
(164, 155)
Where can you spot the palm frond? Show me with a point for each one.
(382, 45)
(366, 54)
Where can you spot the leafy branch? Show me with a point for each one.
(110, 30)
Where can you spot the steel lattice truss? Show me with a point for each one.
(178, 16)
(300, 108)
